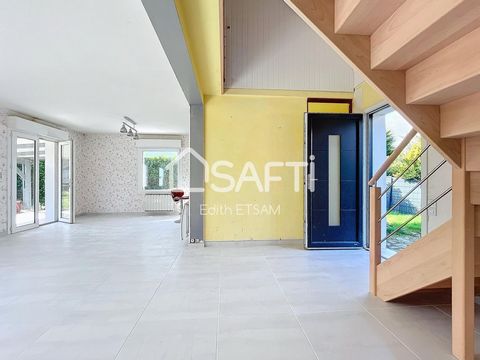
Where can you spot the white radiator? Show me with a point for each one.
(158, 202)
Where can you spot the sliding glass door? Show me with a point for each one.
(41, 182)
(24, 184)
(47, 169)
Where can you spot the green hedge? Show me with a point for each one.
(153, 166)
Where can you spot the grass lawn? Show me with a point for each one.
(394, 220)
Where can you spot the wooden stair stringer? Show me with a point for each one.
(426, 262)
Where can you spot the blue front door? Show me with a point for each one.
(333, 183)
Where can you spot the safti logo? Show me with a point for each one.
(249, 173)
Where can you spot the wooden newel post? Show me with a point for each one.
(463, 264)
(375, 236)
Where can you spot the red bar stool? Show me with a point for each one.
(178, 195)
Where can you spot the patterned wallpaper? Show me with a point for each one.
(78, 141)
(3, 174)
(106, 173)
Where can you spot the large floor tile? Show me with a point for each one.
(262, 300)
(125, 287)
(338, 335)
(426, 330)
(174, 339)
(264, 337)
(78, 341)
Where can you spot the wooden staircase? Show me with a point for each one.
(424, 57)
(426, 264)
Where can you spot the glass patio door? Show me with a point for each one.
(47, 168)
(24, 182)
(41, 184)
(66, 182)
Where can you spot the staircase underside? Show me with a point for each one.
(356, 50)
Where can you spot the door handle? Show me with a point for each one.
(311, 175)
(311, 182)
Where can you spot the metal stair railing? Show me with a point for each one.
(376, 195)
(420, 183)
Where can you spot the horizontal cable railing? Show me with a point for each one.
(419, 212)
(399, 238)
(420, 183)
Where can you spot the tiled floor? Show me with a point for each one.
(123, 287)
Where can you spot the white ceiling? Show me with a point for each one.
(87, 63)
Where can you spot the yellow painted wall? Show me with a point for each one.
(327, 107)
(246, 125)
(365, 97)
(259, 129)
(201, 26)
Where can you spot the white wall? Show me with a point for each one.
(106, 174)
(379, 144)
(440, 181)
(3, 174)
(268, 46)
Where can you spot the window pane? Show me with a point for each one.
(25, 202)
(333, 180)
(47, 181)
(160, 171)
(65, 181)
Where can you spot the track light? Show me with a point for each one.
(128, 129)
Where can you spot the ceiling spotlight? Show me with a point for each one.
(128, 129)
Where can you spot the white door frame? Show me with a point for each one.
(71, 218)
(13, 182)
(56, 164)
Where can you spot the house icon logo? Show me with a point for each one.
(189, 153)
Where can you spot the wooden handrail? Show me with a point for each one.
(393, 156)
